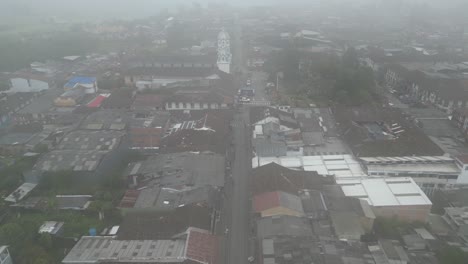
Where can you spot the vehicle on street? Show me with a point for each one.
(245, 99)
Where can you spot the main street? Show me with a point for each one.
(238, 224)
(238, 205)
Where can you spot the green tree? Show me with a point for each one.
(13, 234)
(4, 85)
(451, 255)
(34, 254)
(41, 148)
(45, 240)
(350, 58)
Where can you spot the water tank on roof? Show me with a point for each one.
(92, 232)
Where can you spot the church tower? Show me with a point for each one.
(224, 52)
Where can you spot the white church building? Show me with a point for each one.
(224, 52)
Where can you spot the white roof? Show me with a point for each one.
(114, 230)
(340, 166)
(407, 159)
(424, 233)
(385, 191)
(21, 192)
(439, 168)
(71, 58)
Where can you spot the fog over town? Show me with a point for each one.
(234, 132)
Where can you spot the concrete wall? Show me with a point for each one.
(407, 213)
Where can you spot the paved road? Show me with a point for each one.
(239, 205)
(259, 81)
(237, 48)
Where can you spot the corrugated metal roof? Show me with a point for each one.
(385, 192)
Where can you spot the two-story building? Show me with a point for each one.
(428, 86)
(160, 71)
(198, 100)
(429, 172)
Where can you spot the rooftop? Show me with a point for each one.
(349, 204)
(120, 98)
(340, 166)
(347, 225)
(21, 192)
(204, 96)
(266, 201)
(376, 131)
(73, 202)
(80, 80)
(313, 202)
(19, 84)
(43, 103)
(149, 118)
(164, 224)
(393, 250)
(105, 120)
(16, 138)
(14, 102)
(385, 191)
(262, 115)
(280, 250)
(76, 160)
(51, 227)
(273, 177)
(145, 137)
(283, 226)
(106, 249)
(458, 214)
(148, 102)
(182, 169)
(162, 199)
(97, 101)
(91, 140)
(198, 131)
(414, 164)
(172, 59)
(193, 245)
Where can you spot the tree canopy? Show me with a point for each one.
(451, 255)
(339, 79)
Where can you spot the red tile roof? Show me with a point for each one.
(202, 246)
(266, 201)
(149, 100)
(463, 158)
(96, 102)
(129, 199)
(145, 137)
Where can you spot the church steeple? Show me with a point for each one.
(224, 51)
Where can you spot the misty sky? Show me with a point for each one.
(105, 9)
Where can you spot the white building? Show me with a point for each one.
(5, 257)
(224, 52)
(21, 85)
(429, 172)
(390, 197)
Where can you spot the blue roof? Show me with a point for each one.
(80, 80)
